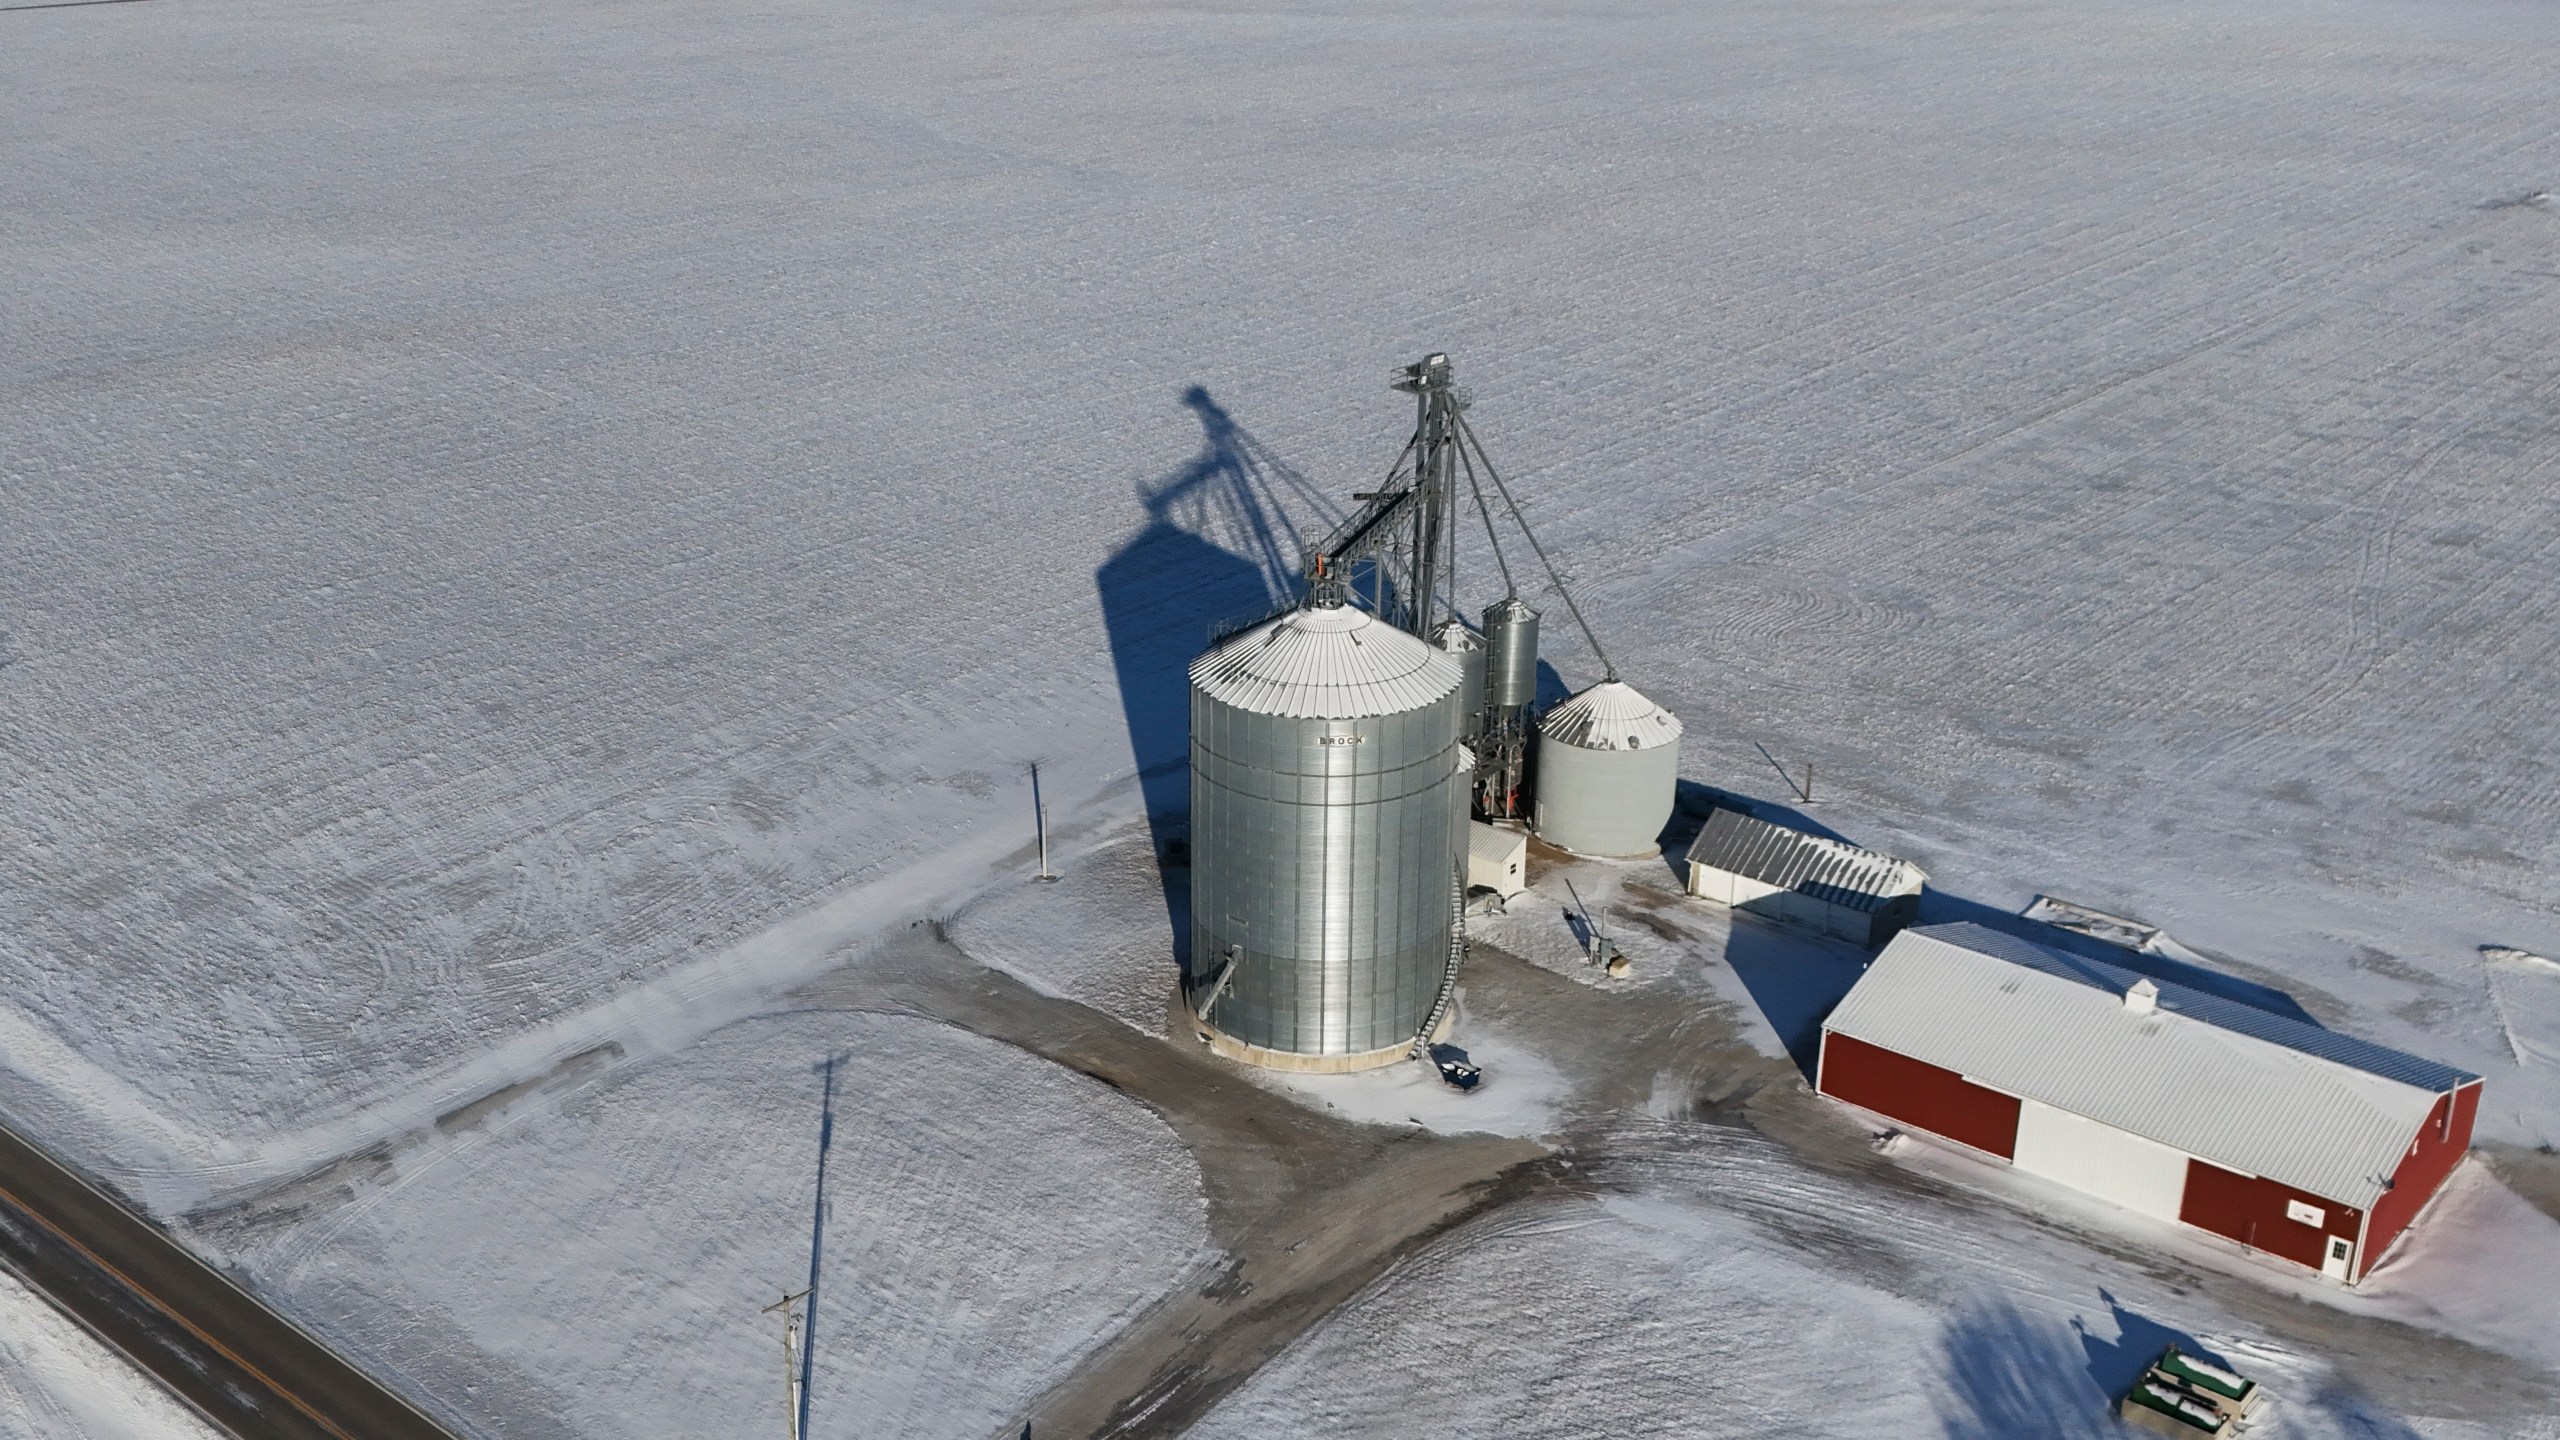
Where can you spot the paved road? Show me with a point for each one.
(244, 1366)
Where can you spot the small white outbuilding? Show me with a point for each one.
(1497, 859)
(1802, 879)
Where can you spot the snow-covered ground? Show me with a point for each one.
(1096, 937)
(507, 499)
(1657, 1315)
(59, 1382)
(530, 527)
(596, 1261)
(2485, 1264)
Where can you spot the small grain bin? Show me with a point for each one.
(1511, 655)
(1454, 637)
(1510, 693)
(1608, 766)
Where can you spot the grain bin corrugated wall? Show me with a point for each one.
(1608, 770)
(1323, 846)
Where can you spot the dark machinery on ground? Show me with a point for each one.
(2184, 1395)
(1458, 1074)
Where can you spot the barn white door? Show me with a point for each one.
(2111, 1164)
(2334, 1263)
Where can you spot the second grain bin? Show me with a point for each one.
(1510, 693)
(1326, 839)
(1608, 769)
(1454, 637)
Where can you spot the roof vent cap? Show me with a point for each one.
(2142, 997)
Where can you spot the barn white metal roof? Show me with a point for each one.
(1611, 715)
(1325, 663)
(2226, 1082)
(1826, 869)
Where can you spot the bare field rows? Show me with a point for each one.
(625, 503)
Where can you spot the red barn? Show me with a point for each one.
(2288, 1138)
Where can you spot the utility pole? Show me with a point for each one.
(1040, 822)
(789, 1305)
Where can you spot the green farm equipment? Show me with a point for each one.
(2189, 1398)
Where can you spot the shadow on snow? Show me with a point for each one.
(1796, 979)
(826, 1070)
(1218, 547)
(2005, 1374)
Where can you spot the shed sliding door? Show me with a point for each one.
(2111, 1164)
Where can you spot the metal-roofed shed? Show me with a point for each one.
(2291, 1139)
(1803, 879)
(1497, 859)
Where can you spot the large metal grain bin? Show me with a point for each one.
(1326, 835)
(1608, 767)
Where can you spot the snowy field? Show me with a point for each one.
(595, 1262)
(530, 528)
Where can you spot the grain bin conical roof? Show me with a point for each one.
(1325, 663)
(1611, 715)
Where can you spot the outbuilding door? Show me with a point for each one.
(2334, 1263)
(2139, 1174)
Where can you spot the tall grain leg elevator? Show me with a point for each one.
(1340, 751)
